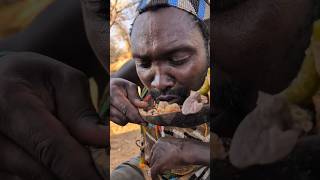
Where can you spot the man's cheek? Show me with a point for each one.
(144, 77)
(189, 82)
(193, 76)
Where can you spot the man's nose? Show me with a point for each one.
(161, 81)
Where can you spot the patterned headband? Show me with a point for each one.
(199, 8)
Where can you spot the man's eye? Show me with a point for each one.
(143, 63)
(180, 57)
(179, 60)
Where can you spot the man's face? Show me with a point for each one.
(169, 52)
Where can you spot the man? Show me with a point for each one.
(252, 39)
(170, 50)
(47, 116)
(258, 46)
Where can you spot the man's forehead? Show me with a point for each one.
(162, 26)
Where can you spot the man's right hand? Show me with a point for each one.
(124, 102)
(46, 118)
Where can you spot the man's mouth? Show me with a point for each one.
(168, 98)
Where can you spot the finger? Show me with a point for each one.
(75, 108)
(16, 161)
(156, 161)
(152, 155)
(38, 132)
(155, 170)
(133, 114)
(156, 153)
(133, 96)
(119, 99)
(117, 117)
(125, 106)
(8, 176)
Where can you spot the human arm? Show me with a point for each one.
(170, 153)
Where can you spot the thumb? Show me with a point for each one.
(75, 108)
(154, 172)
(133, 96)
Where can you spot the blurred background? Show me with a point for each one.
(55, 28)
(122, 14)
(122, 139)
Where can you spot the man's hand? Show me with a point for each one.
(46, 116)
(170, 153)
(124, 102)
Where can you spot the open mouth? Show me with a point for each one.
(168, 98)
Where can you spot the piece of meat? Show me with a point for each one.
(192, 104)
(269, 132)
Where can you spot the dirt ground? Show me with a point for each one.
(122, 141)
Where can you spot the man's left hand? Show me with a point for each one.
(170, 153)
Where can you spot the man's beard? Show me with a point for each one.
(181, 92)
